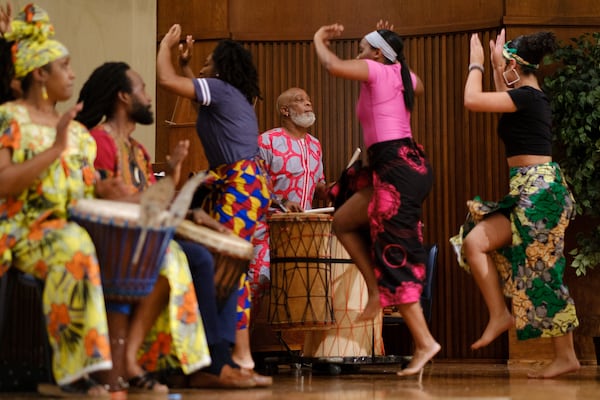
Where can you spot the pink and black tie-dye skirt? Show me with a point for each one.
(401, 177)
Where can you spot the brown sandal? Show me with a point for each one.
(145, 383)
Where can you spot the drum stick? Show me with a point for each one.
(320, 210)
(354, 157)
(279, 204)
(352, 160)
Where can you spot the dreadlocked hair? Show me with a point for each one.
(7, 71)
(235, 66)
(99, 93)
(397, 44)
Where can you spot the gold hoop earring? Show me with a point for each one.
(44, 92)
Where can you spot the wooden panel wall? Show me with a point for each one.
(565, 18)
(555, 12)
(298, 20)
(465, 152)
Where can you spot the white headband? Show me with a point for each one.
(377, 41)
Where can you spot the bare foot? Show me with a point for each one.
(557, 367)
(372, 309)
(495, 327)
(419, 359)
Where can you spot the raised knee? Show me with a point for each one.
(338, 226)
(471, 247)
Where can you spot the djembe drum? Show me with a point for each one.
(347, 338)
(300, 271)
(231, 253)
(129, 256)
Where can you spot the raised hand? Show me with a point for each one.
(172, 36)
(5, 18)
(381, 24)
(185, 51)
(496, 48)
(476, 54)
(328, 32)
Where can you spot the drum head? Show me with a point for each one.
(118, 213)
(223, 243)
(299, 216)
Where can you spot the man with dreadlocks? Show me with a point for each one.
(115, 101)
(228, 129)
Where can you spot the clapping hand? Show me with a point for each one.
(62, 127)
(179, 153)
(175, 159)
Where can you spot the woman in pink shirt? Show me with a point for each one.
(388, 203)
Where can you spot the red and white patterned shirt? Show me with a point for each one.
(295, 165)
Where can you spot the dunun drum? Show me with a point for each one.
(300, 271)
(232, 255)
(347, 338)
(115, 231)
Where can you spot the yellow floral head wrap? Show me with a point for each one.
(31, 31)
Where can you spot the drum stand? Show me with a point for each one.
(334, 365)
(330, 365)
(339, 348)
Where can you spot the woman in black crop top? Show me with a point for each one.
(522, 236)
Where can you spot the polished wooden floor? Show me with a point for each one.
(441, 380)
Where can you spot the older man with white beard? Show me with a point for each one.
(292, 155)
(293, 159)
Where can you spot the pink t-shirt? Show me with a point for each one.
(380, 107)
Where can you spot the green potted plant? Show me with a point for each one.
(574, 90)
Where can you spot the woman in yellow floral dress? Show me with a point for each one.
(46, 162)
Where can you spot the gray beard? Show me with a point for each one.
(304, 120)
